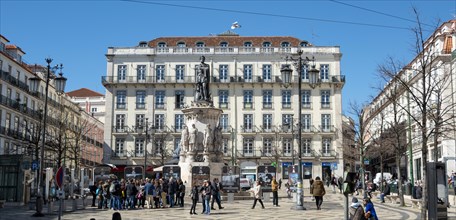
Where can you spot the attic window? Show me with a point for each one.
(162, 44)
(142, 44)
(304, 44)
(200, 44)
(181, 44)
(267, 44)
(248, 44)
(224, 44)
(285, 44)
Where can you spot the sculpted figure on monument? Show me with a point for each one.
(218, 138)
(202, 81)
(192, 138)
(208, 139)
(185, 139)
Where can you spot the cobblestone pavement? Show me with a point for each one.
(332, 208)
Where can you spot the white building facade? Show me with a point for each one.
(155, 79)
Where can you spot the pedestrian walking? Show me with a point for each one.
(194, 198)
(275, 192)
(257, 194)
(318, 191)
(93, 190)
(216, 187)
(206, 193)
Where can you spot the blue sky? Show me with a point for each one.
(78, 33)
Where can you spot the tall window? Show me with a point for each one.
(326, 148)
(140, 122)
(140, 99)
(287, 147)
(223, 99)
(267, 99)
(305, 73)
(139, 147)
(248, 99)
(306, 122)
(119, 151)
(267, 122)
(307, 147)
(418, 168)
(326, 122)
(267, 147)
(248, 147)
(180, 72)
(286, 98)
(141, 73)
(159, 147)
(306, 98)
(248, 122)
(248, 73)
(267, 72)
(287, 122)
(180, 99)
(325, 94)
(120, 122)
(8, 121)
(160, 99)
(324, 72)
(159, 121)
(121, 72)
(224, 122)
(223, 71)
(121, 98)
(178, 122)
(160, 73)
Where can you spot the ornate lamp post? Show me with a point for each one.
(145, 126)
(60, 82)
(286, 71)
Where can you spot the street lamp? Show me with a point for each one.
(60, 82)
(140, 130)
(286, 71)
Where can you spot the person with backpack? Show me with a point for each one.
(116, 194)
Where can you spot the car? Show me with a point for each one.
(245, 183)
(378, 178)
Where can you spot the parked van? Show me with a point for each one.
(378, 177)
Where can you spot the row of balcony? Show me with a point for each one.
(106, 80)
(21, 107)
(16, 134)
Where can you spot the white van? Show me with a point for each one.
(378, 178)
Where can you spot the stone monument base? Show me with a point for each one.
(186, 171)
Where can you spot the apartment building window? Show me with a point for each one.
(324, 72)
(121, 98)
(139, 147)
(267, 122)
(305, 73)
(160, 99)
(286, 98)
(326, 122)
(140, 99)
(120, 147)
(326, 146)
(248, 99)
(178, 122)
(177, 142)
(140, 120)
(248, 47)
(267, 99)
(180, 99)
(16, 124)
(159, 147)
(223, 71)
(307, 147)
(267, 72)
(180, 72)
(7, 149)
(141, 73)
(306, 122)
(159, 121)
(223, 99)
(248, 147)
(287, 147)
(223, 122)
(94, 109)
(306, 99)
(287, 122)
(248, 73)
(121, 72)
(225, 146)
(248, 122)
(120, 122)
(325, 95)
(267, 147)
(418, 168)
(160, 73)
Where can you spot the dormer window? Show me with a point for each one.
(248, 44)
(224, 44)
(267, 44)
(304, 44)
(285, 44)
(181, 44)
(200, 44)
(142, 44)
(161, 45)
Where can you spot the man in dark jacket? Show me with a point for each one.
(386, 191)
(172, 188)
(130, 191)
(216, 187)
(93, 190)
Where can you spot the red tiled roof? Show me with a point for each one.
(233, 41)
(84, 92)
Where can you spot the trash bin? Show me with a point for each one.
(393, 188)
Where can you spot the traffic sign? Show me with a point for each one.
(334, 166)
(35, 165)
(59, 177)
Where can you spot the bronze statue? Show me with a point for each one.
(202, 81)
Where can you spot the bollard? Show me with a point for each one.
(75, 205)
(266, 197)
(230, 197)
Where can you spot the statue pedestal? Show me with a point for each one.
(186, 171)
